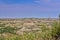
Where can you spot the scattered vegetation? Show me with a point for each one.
(9, 32)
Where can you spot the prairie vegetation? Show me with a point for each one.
(29, 29)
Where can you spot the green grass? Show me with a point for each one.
(46, 34)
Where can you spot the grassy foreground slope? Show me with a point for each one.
(29, 29)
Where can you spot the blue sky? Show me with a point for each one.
(29, 8)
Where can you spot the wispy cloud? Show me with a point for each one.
(38, 1)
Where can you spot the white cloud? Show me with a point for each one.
(38, 1)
